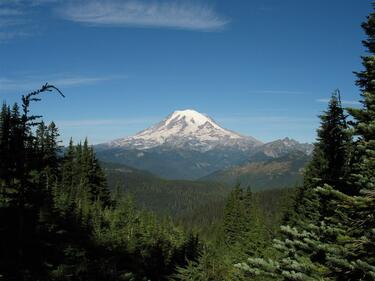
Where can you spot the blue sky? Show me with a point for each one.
(264, 68)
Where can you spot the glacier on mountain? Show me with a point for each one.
(186, 129)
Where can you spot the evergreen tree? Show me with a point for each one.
(4, 151)
(361, 208)
(329, 165)
(234, 216)
(330, 161)
(21, 215)
(214, 264)
(255, 236)
(304, 251)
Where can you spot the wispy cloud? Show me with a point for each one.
(75, 81)
(10, 12)
(343, 102)
(13, 23)
(32, 82)
(160, 14)
(22, 18)
(9, 35)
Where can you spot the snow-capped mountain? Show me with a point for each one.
(190, 145)
(187, 129)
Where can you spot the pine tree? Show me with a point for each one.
(255, 236)
(332, 147)
(361, 208)
(53, 150)
(364, 118)
(329, 165)
(4, 152)
(23, 194)
(306, 246)
(234, 216)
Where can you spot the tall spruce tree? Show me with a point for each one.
(330, 160)
(329, 165)
(303, 248)
(361, 208)
(24, 196)
(234, 216)
(4, 151)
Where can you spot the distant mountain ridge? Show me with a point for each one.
(262, 174)
(190, 145)
(280, 148)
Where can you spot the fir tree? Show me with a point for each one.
(304, 248)
(329, 164)
(5, 175)
(361, 209)
(234, 216)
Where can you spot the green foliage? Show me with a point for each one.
(245, 231)
(212, 265)
(234, 216)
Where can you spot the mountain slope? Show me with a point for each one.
(284, 171)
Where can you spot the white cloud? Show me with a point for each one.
(33, 82)
(343, 102)
(166, 14)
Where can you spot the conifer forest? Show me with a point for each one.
(72, 212)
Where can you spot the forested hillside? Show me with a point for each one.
(197, 205)
(165, 197)
(59, 220)
(263, 174)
